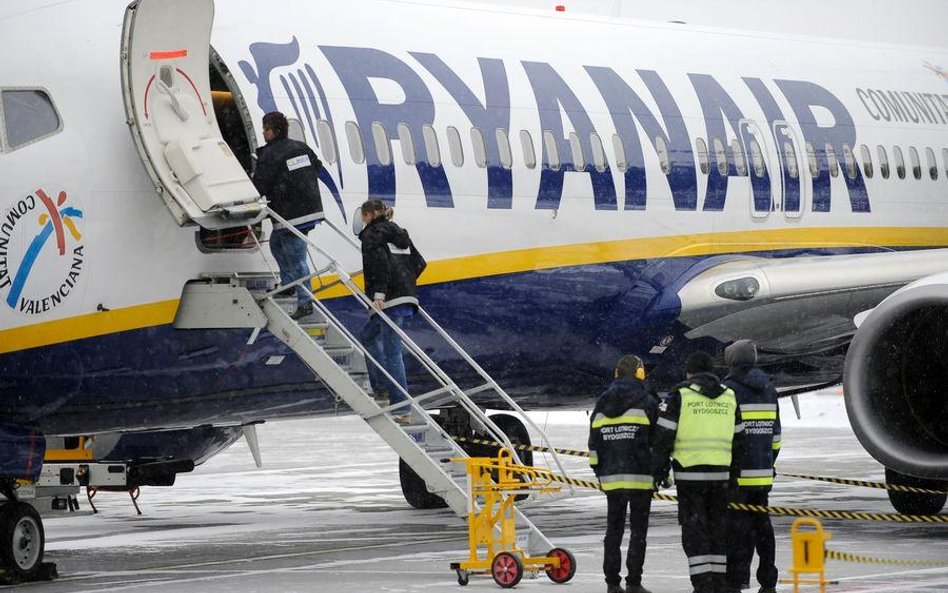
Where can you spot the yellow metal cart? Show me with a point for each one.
(493, 485)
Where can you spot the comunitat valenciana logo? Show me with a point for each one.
(41, 252)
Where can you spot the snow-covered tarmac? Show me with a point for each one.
(326, 514)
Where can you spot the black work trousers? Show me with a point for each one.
(638, 503)
(746, 532)
(702, 513)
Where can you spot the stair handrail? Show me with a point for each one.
(473, 364)
(418, 353)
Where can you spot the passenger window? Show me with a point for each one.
(916, 165)
(883, 162)
(432, 148)
(757, 157)
(622, 163)
(831, 162)
(702, 149)
(866, 161)
(382, 147)
(850, 160)
(553, 155)
(529, 151)
(354, 138)
(480, 150)
(454, 146)
(408, 147)
(503, 144)
(811, 160)
(793, 167)
(932, 164)
(739, 161)
(576, 150)
(720, 156)
(294, 130)
(944, 158)
(899, 162)
(662, 149)
(327, 143)
(28, 116)
(598, 152)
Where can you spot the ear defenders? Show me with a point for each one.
(640, 373)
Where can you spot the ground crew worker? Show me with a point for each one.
(699, 426)
(620, 435)
(287, 173)
(757, 400)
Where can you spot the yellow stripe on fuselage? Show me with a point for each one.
(520, 260)
(88, 326)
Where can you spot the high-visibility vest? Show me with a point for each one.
(705, 428)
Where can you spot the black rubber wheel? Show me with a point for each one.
(22, 540)
(567, 569)
(463, 577)
(507, 569)
(909, 503)
(415, 491)
(516, 431)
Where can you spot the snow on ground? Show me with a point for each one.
(326, 514)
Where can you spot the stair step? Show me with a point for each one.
(421, 443)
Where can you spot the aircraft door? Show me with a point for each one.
(762, 198)
(168, 107)
(793, 165)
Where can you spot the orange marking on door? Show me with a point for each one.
(168, 55)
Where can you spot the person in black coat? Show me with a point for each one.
(287, 173)
(620, 438)
(390, 266)
(760, 411)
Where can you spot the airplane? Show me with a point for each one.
(582, 187)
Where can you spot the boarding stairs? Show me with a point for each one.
(339, 361)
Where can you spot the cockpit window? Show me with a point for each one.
(28, 116)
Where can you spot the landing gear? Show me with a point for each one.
(415, 491)
(517, 434)
(22, 542)
(457, 422)
(516, 431)
(910, 503)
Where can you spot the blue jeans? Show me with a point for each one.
(289, 251)
(385, 346)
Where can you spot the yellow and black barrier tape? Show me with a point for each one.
(843, 481)
(534, 448)
(846, 557)
(755, 508)
(863, 483)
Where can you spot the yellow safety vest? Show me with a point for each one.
(705, 429)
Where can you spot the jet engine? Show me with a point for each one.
(896, 386)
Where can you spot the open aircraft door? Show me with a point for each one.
(166, 86)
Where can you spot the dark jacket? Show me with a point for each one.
(390, 263)
(757, 398)
(669, 411)
(620, 436)
(287, 173)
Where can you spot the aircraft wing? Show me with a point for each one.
(797, 305)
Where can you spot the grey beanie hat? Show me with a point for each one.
(741, 353)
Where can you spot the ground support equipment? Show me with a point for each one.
(493, 486)
(809, 554)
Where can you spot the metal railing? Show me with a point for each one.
(448, 385)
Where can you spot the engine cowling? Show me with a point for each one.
(896, 380)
